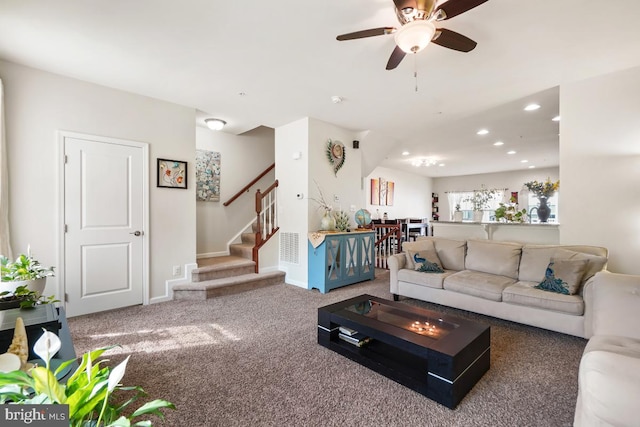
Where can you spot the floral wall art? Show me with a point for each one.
(172, 173)
(207, 176)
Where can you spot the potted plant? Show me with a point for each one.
(457, 214)
(480, 200)
(23, 297)
(24, 271)
(89, 390)
(510, 213)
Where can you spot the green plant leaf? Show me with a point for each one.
(45, 382)
(153, 407)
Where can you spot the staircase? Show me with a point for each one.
(227, 275)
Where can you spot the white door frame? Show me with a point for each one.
(61, 136)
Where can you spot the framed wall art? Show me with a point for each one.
(207, 176)
(172, 174)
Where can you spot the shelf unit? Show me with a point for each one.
(435, 216)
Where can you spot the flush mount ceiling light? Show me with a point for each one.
(414, 36)
(531, 107)
(215, 124)
(428, 161)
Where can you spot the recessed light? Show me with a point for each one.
(405, 153)
(532, 167)
(336, 99)
(531, 107)
(511, 152)
(483, 132)
(524, 161)
(441, 164)
(556, 119)
(498, 143)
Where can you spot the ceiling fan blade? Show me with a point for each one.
(366, 33)
(396, 57)
(403, 4)
(453, 8)
(453, 40)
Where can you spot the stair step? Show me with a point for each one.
(248, 238)
(226, 286)
(222, 267)
(241, 250)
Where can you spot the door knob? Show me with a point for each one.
(137, 233)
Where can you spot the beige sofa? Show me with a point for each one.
(499, 278)
(609, 374)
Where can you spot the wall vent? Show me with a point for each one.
(289, 244)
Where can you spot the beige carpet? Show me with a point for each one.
(252, 359)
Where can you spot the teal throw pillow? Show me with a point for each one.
(430, 267)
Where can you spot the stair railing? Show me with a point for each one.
(246, 188)
(388, 242)
(266, 218)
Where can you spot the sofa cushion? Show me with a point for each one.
(433, 280)
(525, 293)
(535, 259)
(501, 258)
(451, 253)
(595, 263)
(608, 380)
(563, 276)
(418, 258)
(478, 284)
(425, 247)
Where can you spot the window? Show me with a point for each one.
(459, 197)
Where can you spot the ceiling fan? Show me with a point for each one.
(417, 18)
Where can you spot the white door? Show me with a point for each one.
(104, 217)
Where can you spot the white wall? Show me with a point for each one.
(412, 198)
(242, 158)
(512, 181)
(308, 138)
(37, 105)
(600, 166)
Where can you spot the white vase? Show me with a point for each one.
(36, 285)
(328, 222)
(477, 216)
(457, 216)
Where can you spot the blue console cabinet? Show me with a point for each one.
(342, 259)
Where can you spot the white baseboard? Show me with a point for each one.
(212, 254)
(169, 284)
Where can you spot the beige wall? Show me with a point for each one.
(242, 158)
(600, 166)
(38, 104)
(412, 197)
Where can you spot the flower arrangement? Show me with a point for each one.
(480, 198)
(544, 189)
(88, 391)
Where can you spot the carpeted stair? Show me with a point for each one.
(227, 274)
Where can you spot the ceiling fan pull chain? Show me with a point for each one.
(415, 72)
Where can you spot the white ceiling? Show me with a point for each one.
(283, 56)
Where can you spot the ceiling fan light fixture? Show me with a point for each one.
(415, 36)
(215, 124)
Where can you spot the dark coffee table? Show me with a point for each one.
(437, 355)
